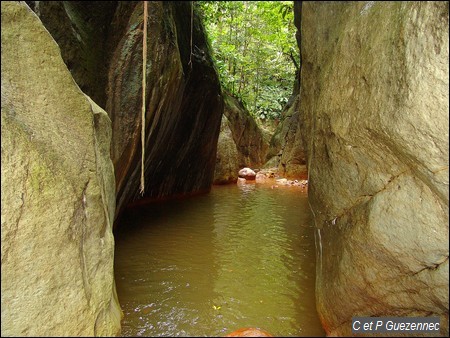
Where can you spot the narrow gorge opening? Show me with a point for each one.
(212, 246)
(242, 255)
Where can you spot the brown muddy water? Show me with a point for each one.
(240, 256)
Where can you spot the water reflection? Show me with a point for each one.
(251, 290)
(239, 256)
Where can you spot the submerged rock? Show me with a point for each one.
(249, 332)
(374, 116)
(57, 201)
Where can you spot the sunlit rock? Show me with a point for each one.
(374, 117)
(227, 167)
(251, 143)
(241, 142)
(261, 177)
(57, 201)
(247, 173)
(282, 181)
(286, 144)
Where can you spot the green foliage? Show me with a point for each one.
(254, 43)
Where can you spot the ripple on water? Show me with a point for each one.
(240, 256)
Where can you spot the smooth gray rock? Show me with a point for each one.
(247, 173)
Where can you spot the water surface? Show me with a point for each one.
(241, 256)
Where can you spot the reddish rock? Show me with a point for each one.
(249, 332)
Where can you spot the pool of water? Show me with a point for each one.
(240, 256)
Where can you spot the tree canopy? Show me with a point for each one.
(255, 51)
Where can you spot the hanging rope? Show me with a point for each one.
(144, 73)
(192, 29)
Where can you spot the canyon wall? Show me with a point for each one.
(101, 43)
(287, 142)
(242, 142)
(374, 118)
(227, 165)
(57, 202)
(183, 100)
(286, 145)
(59, 185)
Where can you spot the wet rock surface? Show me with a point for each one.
(184, 101)
(374, 118)
(184, 104)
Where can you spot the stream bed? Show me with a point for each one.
(241, 256)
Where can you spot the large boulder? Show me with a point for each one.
(57, 201)
(374, 118)
(247, 173)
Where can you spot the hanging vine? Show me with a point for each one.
(144, 73)
(192, 30)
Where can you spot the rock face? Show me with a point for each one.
(80, 28)
(102, 45)
(250, 141)
(241, 142)
(184, 103)
(57, 202)
(374, 118)
(287, 150)
(287, 144)
(227, 166)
